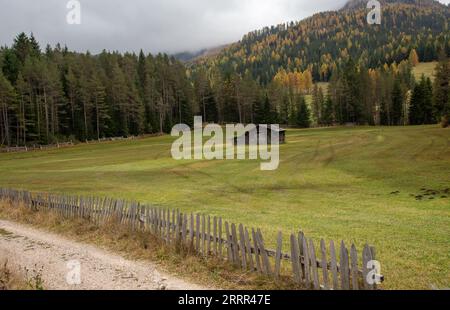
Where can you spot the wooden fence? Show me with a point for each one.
(21, 149)
(36, 147)
(309, 265)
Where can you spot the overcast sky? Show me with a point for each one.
(153, 25)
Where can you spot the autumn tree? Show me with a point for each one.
(413, 58)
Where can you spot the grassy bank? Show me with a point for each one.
(207, 271)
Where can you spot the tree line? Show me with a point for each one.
(388, 95)
(57, 95)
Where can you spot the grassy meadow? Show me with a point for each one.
(426, 68)
(357, 184)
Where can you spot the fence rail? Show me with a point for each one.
(313, 266)
(38, 147)
(21, 149)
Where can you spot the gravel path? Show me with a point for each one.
(34, 249)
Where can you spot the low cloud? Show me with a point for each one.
(153, 25)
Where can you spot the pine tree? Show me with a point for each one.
(56, 100)
(142, 72)
(84, 105)
(148, 76)
(98, 95)
(317, 104)
(397, 103)
(11, 65)
(441, 96)
(429, 117)
(258, 108)
(135, 110)
(35, 49)
(7, 100)
(22, 47)
(352, 110)
(327, 114)
(264, 114)
(202, 92)
(24, 107)
(71, 93)
(303, 114)
(421, 110)
(416, 113)
(118, 92)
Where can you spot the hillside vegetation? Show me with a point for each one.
(322, 43)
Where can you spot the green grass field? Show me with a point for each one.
(324, 86)
(426, 68)
(355, 184)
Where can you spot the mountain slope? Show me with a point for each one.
(325, 41)
(357, 4)
(189, 57)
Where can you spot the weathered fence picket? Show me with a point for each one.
(323, 251)
(315, 273)
(203, 239)
(249, 250)
(256, 249)
(215, 236)
(197, 231)
(306, 260)
(295, 260)
(354, 267)
(334, 265)
(208, 236)
(191, 230)
(220, 238)
(345, 281)
(242, 247)
(228, 242)
(234, 244)
(265, 256)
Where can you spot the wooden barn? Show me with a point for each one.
(281, 133)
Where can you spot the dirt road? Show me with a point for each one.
(59, 259)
